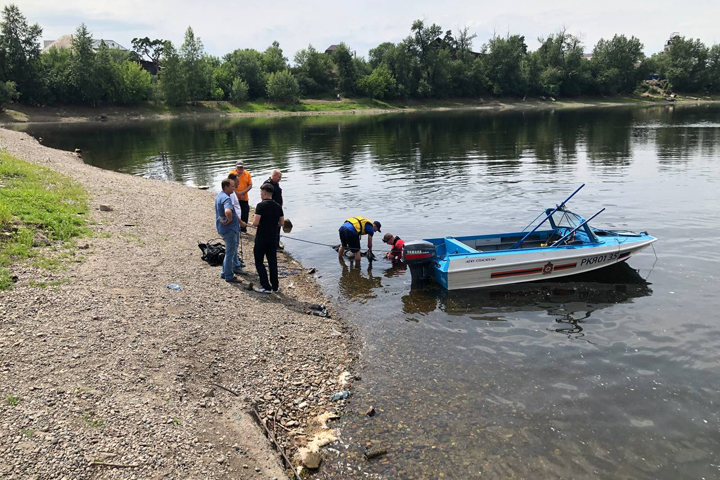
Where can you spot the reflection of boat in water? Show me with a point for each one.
(569, 247)
(586, 292)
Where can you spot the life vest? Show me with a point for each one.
(359, 223)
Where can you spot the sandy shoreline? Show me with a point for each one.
(113, 366)
(119, 115)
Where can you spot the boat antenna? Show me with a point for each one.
(558, 207)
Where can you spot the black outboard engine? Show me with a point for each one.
(419, 256)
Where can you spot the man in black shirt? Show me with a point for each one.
(274, 180)
(268, 216)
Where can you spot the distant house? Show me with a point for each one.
(66, 42)
(331, 49)
(588, 56)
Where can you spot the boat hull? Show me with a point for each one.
(508, 267)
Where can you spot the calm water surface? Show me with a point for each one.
(612, 375)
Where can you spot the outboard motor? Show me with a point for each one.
(419, 256)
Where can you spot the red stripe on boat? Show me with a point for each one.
(418, 255)
(511, 273)
(565, 266)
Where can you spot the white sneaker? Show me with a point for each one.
(262, 290)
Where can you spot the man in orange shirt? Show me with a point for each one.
(242, 187)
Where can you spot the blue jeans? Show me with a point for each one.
(231, 259)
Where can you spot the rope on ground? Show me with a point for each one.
(308, 241)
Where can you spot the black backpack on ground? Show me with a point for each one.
(213, 252)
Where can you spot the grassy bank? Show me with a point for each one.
(38, 207)
(23, 114)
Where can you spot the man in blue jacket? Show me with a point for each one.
(228, 227)
(352, 230)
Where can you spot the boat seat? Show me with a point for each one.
(454, 247)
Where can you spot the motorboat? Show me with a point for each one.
(568, 245)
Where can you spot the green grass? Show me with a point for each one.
(12, 400)
(51, 283)
(306, 105)
(35, 200)
(90, 419)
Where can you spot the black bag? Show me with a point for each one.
(213, 252)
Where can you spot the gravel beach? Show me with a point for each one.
(118, 376)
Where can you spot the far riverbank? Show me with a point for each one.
(21, 114)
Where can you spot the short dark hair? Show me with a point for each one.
(225, 183)
(232, 176)
(268, 188)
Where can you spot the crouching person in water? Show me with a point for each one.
(396, 244)
(350, 233)
(228, 227)
(268, 215)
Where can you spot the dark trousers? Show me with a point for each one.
(269, 250)
(278, 238)
(244, 212)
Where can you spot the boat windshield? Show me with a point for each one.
(566, 218)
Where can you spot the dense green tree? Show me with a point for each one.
(135, 84)
(425, 44)
(346, 71)
(223, 77)
(83, 80)
(20, 54)
(197, 75)
(283, 87)
(8, 93)
(615, 64)
(557, 67)
(313, 71)
(173, 84)
(713, 69)
(380, 54)
(273, 59)
(248, 65)
(404, 67)
(106, 75)
(57, 65)
(502, 60)
(684, 64)
(379, 84)
(239, 92)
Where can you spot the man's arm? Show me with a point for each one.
(228, 216)
(370, 242)
(245, 190)
(256, 220)
(281, 222)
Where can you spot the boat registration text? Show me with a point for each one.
(599, 259)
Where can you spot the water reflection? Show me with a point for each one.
(414, 148)
(572, 299)
(356, 284)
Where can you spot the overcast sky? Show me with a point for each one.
(225, 25)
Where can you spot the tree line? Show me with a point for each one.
(429, 63)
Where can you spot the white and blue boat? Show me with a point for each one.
(567, 246)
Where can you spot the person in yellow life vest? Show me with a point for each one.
(352, 230)
(242, 187)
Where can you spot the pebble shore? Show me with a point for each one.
(117, 376)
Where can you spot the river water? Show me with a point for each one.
(611, 375)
